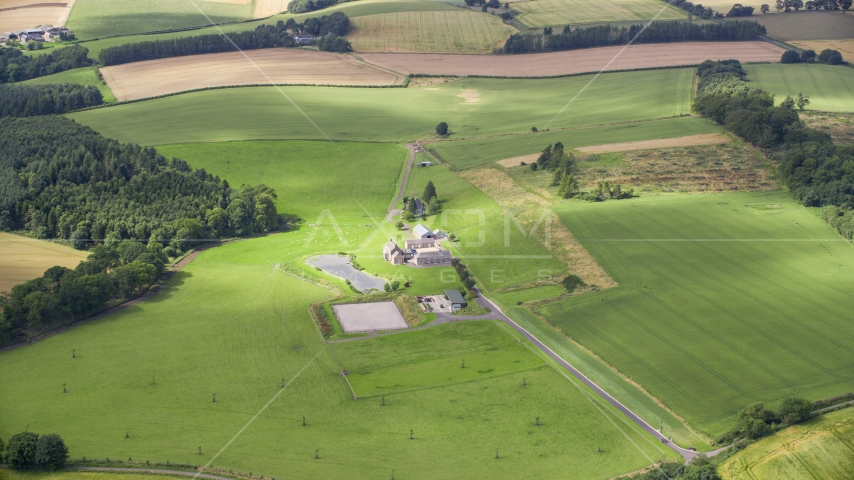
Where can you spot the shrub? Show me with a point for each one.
(830, 57)
(51, 452)
(442, 128)
(808, 55)
(21, 451)
(790, 56)
(795, 410)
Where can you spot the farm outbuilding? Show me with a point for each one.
(420, 231)
(420, 243)
(456, 299)
(434, 257)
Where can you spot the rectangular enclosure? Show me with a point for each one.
(368, 317)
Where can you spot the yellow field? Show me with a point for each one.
(820, 448)
(31, 17)
(443, 31)
(845, 46)
(265, 8)
(539, 13)
(23, 258)
(151, 78)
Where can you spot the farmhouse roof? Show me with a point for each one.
(46, 28)
(420, 230)
(435, 254)
(32, 30)
(454, 296)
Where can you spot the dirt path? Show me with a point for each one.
(148, 470)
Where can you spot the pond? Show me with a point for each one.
(340, 267)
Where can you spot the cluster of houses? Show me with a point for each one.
(424, 250)
(44, 33)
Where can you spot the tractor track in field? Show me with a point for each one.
(157, 471)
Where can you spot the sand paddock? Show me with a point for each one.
(576, 61)
(283, 66)
(369, 317)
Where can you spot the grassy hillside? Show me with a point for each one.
(539, 13)
(830, 88)
(82, 76)
(102, 18)
(243, 330)
(24, 258)
(470, 153)
(723, 300)
(308, 176)
(820, 448)
(68, 475)
(472, 107)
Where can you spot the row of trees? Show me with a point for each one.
(303, 6)
(111, 273)
(29, 450)
(827, 56)
(796, 5)
(16, 67)
(330, 27)
(739, 10)
(63, 180)
(30, 100)
(658, 32)
(816, 171)
(697, 10)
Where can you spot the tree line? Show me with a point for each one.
(62, 180)
(304, 6)
(789, 5)
(16, 67)
(657, 32)
(697, 10)
(827, 56)
(816, 171)
(329, 27)
(30, 100)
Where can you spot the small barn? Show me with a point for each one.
(433, 257)
(419, 243)
(420, 231)
(456, 299)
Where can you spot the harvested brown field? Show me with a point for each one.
(840, 126)
(686, 141)
(282, 66)
(845, 46)
(528, 208)
(516, 161)
(576, 61)
(23, 258)
(702, 169)
(265, 8)
(32, 14)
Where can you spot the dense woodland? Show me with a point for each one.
(30, 100)
(816, 171)
(657, 32)
(330, 27)
(16, 67)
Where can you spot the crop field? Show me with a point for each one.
(104, 18)
(245, 330)
(82, 76)
(461, 31)
(805, 25)
(345, 178)
(830, 88)
(724, 300)
(820, 448)
(540, 13)
(151, 78)
(577, 61)
(24, 258)
(840, 126)
(472, 107)
(265, 8)
(844, 46)
(25, 14)
(470, 153)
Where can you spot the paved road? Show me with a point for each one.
(149, 470)
(686, 454)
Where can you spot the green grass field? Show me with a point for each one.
(352, 9)
(820, 448)
(104, 18)
(472, 107)
(471, 153)
(68, 475)
(723, 300)
(82, 76)
(830, 88)
(232, 324)
(460, 31)
(309, 177)
(540, 13)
